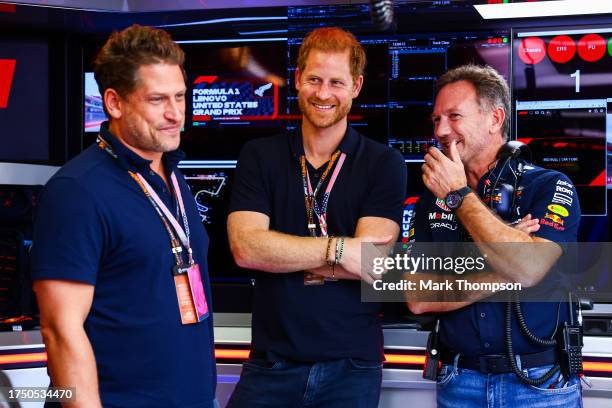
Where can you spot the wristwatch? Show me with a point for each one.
(454, 199)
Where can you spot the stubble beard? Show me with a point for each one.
(149, 140)
(341, 112)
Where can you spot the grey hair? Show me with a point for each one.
(491, 88)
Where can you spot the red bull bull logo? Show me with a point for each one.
(554, 218)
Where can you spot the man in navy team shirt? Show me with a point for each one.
(464, 182)
(119, 251)
(302, 204)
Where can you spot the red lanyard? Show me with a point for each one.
(170, 223)
(310, 196)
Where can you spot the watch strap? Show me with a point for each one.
(464, 191)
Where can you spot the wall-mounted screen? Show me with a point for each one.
(569, 136)
(561, 85)
(235, 92)
(574, 66)
(211, 185)
(24, 100)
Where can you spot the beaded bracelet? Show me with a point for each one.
(339, 249)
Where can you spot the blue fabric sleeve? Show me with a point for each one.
(387, 190)
(556, 205)
(68, 234)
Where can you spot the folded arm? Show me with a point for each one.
(255, 246)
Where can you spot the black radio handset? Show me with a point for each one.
(569, 344)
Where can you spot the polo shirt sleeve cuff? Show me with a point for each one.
(64, 275)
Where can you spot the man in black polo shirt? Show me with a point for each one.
(302, 205)
(464, 181)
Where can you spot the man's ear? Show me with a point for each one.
(298, 77)
(113, 103)
(498, 115)
(357, 84)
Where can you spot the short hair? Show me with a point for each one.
(116, 64)
(491, 88)
(333, 39)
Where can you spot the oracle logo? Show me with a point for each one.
(7, 72)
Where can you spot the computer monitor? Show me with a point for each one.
(236, 92)
(24, 99)
(562, 94)
(211, 184)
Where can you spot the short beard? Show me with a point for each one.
(150, 143)
(341, 113)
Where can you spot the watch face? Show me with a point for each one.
(453, 200)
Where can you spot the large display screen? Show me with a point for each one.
(561, 84)
(236, 93)
(211, 184)
(24, 100)
(569, 136)
(575, 66)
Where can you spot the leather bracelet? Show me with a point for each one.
(327, 252)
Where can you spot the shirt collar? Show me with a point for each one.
(348, 144)
(129, 160)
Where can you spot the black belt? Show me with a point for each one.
(500, 364)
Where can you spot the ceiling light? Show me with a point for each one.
(544, 8)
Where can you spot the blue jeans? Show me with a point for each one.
(335, 384)
(463, 388)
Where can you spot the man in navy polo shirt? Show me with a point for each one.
(468, 178)
(119, 255)
(302, 205)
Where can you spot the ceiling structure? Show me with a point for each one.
(140, 6)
